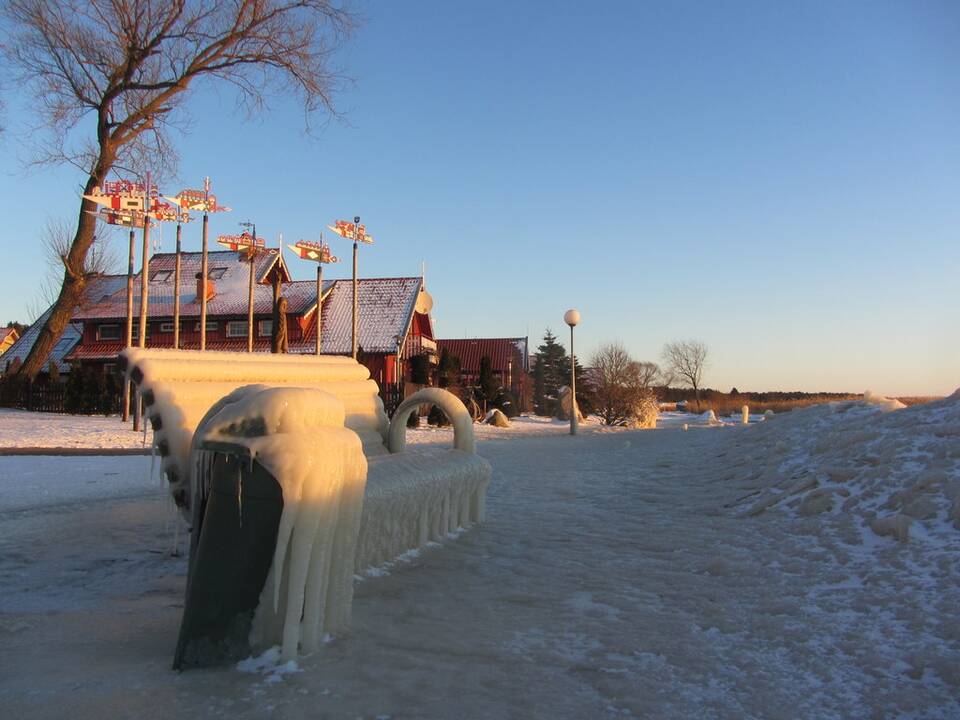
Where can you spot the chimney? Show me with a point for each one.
(211, 288)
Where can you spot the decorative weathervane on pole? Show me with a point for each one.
(248, 244)
(201, 201)
(134, 205)
(358, 233)
(320, 254)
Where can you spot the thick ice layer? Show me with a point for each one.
(183, 385)
(297, 435)
(413, 498)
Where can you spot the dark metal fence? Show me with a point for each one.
(392, 396)
(58, 398)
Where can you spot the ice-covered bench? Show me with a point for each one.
(234, 426)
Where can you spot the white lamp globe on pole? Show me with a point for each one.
(572, 318)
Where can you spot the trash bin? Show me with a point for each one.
(232, 548)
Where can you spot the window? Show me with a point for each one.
(211, 326)
(162, 276)
(266, 328)
(108, 332)
(216, 273)
(136, 331)
(166, 327)
(237, 328)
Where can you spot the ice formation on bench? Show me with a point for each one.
(352, 498)
(297, 434)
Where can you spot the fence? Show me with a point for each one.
(57, 398)
(392, 396)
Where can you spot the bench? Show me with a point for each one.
(232, 429)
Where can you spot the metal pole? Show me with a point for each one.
(129, 333)
(319, 303)
(250, 302)
(176, 290)
(355, 301)
(574, 421)
(203, 266)
(145, 273)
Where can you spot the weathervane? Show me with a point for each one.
(320, 254)
(249, 245)
(201, 201)
(358, 233)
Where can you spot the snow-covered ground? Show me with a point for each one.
(721, 572)
(23, 429)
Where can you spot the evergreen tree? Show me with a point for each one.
(488, 385)
(552, 370)
(448, 370)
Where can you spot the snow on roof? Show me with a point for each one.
(501, 352)
(230, 276)
(386, 309)
(97, 289)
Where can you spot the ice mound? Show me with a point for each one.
(859, 471)
(884, 403)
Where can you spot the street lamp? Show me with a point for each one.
(572, 317)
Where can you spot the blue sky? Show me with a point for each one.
(779, 180)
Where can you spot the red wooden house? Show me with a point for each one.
(394, 319)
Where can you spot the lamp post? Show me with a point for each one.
(572, 317)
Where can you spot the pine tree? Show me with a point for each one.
(488, 384)
(552, 370)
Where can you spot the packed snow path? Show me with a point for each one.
(608, 581)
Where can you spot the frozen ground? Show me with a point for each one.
(721, 572)
(22, 429)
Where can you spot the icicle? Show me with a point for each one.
(240, 493)
(175, 552)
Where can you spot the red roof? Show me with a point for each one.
(501, 351)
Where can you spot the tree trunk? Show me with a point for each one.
(74, 282)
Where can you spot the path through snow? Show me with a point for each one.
(609, 581)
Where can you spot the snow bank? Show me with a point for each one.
(865, 469)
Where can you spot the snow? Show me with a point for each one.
(618, 574)
(24, 429)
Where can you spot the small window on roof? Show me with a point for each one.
(216, 273)
(161, 276)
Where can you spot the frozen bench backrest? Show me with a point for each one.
(179, 386)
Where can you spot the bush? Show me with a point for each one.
(646, 411)
(414, 420)
(437, 417)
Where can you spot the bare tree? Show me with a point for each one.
(110, 78)
(619, 382)
(685, 359)
(56, 236)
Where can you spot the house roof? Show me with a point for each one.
(97, 288)
(230, 277)
(501, 352)
(386, 311)
(7, 332)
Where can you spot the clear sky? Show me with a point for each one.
(779, 180)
